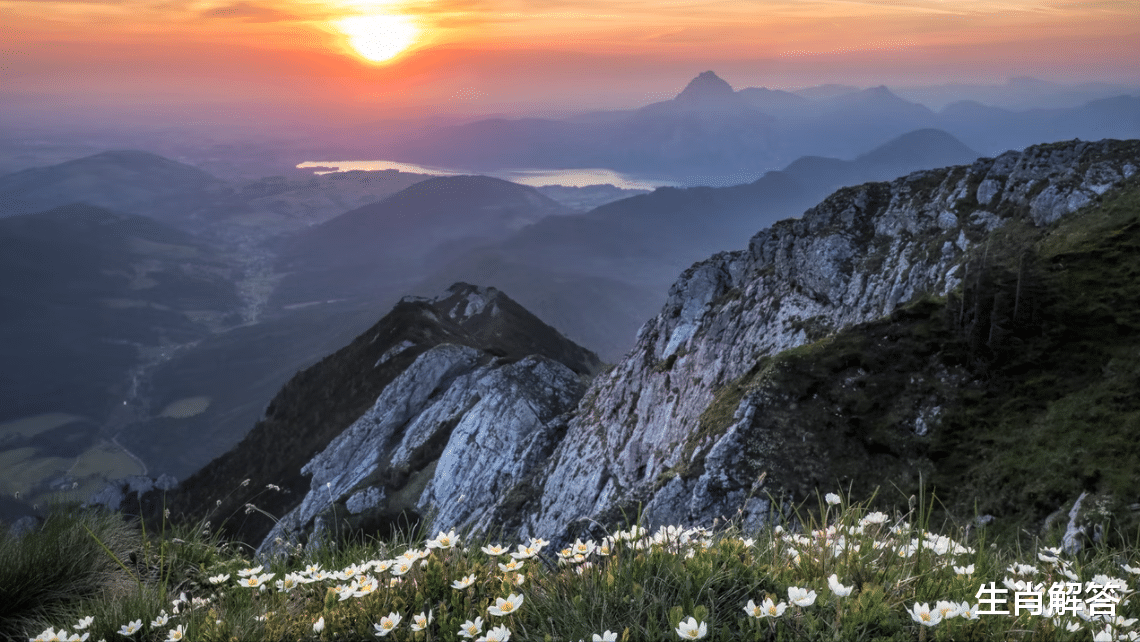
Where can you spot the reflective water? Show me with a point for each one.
(534, 177)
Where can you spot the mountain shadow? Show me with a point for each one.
(84, 289)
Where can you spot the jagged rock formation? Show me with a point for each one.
(448, 439)
(682, 424)
(429, 369)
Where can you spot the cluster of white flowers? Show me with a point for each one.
(63, 635)
(1056, 566)
(127, 630)
(926, 616)
(871, 540)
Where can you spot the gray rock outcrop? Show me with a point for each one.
(853, 258)
(358, 435)
(448, 439)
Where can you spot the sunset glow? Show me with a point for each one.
(379, 38)
(511, 57)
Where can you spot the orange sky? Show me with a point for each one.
(509, 55)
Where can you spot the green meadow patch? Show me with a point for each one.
(845, 573)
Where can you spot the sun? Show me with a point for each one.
(379, 38)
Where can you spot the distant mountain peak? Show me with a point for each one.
(142, 161)
(921, 147)
(879, 93)
(124, 180)
(706, 87)
(462, 300)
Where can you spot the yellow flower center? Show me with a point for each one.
(772, 610)
(925, 617)
(507, 606)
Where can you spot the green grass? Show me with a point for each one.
(641, 587)
(44, 574)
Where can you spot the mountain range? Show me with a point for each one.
(595, 275)
(170, 342)
(711, 135)
(622, 257)
(964, 328)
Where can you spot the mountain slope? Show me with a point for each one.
(91, 288)
(919, 149)
(689, 417)
(969, 327)
(380, 248)
(125, 181)
(643, 243)
(992, 129)
(845, 125)
(466, 330)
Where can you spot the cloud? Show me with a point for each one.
(249, 12)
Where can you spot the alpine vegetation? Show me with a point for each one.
(848, 573)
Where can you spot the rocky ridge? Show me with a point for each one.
(659, 431)
(429, 368)
(447, 440)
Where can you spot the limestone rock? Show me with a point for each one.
(356, 434)
(446, 440)
(853, 258)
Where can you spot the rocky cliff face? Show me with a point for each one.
(683, 427)
(448, 439)
(373, 420)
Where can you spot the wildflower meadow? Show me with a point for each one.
(845, 573)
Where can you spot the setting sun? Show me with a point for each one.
(379, 38)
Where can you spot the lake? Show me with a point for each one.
(532, 177)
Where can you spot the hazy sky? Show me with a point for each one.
(510, 55)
